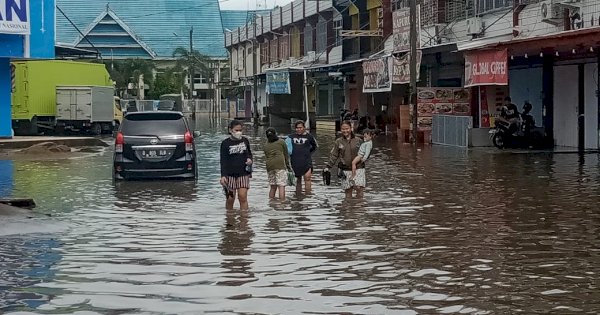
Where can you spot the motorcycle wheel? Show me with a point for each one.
(498, 141)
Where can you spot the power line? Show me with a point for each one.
(80, 32)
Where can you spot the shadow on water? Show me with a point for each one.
(441, 230)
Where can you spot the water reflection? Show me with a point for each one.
(236, 241)
(6, 178)
(153, 195)
(441, 230)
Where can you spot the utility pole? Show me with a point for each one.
(255, 72)
(191, 71)
(413, 68)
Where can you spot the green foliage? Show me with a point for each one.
(170, 81)
(128, 71)
(199, 62)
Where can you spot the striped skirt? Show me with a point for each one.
(235, 183)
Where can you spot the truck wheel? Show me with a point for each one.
(33, 127)
(96, 129)
(59, 129)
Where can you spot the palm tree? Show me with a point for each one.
(128, 71)
(199, 63)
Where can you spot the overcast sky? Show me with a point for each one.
(251, 4)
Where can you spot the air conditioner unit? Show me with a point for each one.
(550, 12)
(474, 26)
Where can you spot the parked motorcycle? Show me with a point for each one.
(523, 134)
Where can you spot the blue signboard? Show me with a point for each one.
(28, 32)
(14, 17)
(278, 82)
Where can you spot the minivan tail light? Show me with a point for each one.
(189, 141)
(120, 140)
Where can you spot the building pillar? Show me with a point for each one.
(5, 99)
(548, 95)
(598, 93)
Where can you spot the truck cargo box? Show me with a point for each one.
(85, 103)
(36, 81)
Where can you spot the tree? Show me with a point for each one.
(201, 64)
(169, 81)
(128, 71)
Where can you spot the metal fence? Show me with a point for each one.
(147, 105)
(188, 106)
(451, 130)
(199, 106)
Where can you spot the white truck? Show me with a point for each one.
(86, 108)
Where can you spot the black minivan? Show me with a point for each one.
(157, 144)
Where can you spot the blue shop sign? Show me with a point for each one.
(14, 17)
(278, 82)
(27, 28)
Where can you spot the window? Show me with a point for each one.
(308, 39)
(274, 54)
(490, 5)
(337, 27)
(199, 79)
(321, 36)
(295, 43)
(284, 47)
(264, 52)
(153, 124)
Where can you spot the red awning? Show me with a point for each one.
(580, 40)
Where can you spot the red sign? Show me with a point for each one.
(486, 68)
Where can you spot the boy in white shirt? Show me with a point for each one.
(364, 152)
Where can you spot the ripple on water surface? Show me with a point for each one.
(440, 232)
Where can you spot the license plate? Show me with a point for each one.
(154, 153)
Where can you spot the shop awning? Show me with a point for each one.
(288, 69)
(335, 65)
(484, 42)
(566, 41)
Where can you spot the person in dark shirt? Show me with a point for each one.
(236, 166)
(510, 113)
(303, 146)
(509, 110)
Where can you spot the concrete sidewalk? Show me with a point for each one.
(20, 142)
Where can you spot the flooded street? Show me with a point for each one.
(441, 231)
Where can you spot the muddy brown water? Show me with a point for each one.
(441, 231)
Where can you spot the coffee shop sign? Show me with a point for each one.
(487, 68)
(14, 17)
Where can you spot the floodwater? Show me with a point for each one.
(440, 231)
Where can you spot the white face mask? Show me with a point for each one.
(237, 134)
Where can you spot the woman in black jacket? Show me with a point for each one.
(236, 166)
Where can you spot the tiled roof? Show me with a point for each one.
(154, 23)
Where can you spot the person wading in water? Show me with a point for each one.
(345, 150)
(303, 145)
(236, 166)
(278, 161)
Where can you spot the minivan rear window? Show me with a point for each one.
(153, 125)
